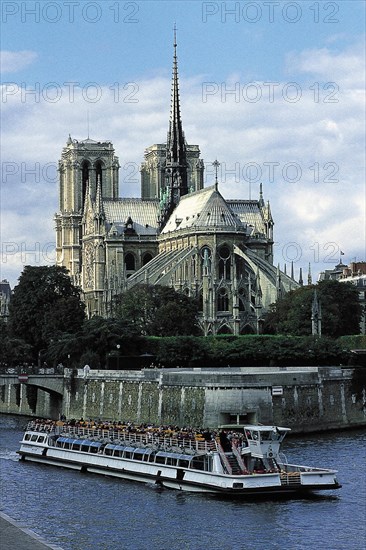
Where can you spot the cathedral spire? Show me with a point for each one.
(176, 156)
(261, 200)
(301, 281)
(310, 280)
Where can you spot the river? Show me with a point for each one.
(90, 512)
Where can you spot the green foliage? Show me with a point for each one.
(13, 351)
(90, 358)
(44, 305)
(341, 310)
(91, 344)
(157, 310)
(176, 351)
(355, 341)
(245, 351)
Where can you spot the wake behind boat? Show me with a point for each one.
(248, 463)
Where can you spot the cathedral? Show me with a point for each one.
(178, 233)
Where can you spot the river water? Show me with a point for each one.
(90, 512)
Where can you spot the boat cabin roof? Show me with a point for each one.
(243, 428)
(266, 428)
(83, 442)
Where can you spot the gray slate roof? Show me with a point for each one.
(144, 214)
(203, 209)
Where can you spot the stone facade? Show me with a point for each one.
(5, 295)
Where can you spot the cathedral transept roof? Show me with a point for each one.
(143, 213)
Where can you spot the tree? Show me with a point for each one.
(44, 305)
(93, 342)
(13, 350)
(156, 310)
(341, 310)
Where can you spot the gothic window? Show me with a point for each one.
(223, 300)
(242, 299)
(224, 263)
(130, 262)
(146, 258)
(200, 301)
(206, 255)
(85, 177)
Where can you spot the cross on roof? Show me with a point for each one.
(216, 165)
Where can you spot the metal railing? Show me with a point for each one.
(148, 438)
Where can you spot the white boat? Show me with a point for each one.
(255, 467)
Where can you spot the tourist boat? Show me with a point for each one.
(255, 467)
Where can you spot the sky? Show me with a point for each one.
(275, 90)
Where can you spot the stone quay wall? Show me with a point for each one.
(305, 399)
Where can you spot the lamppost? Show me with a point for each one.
(118, 348)
(40, 357)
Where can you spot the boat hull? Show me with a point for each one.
(173, 477)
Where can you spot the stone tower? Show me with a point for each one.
(82, 165)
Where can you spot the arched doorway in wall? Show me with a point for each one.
(224, 329)
(247, 329)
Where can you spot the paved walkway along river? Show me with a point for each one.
(15, 537)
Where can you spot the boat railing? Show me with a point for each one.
(111, 435)
(296, 468)
(239, 459)
(224, 459)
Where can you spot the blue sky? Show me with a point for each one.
(294, 119)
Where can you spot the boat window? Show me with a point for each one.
(171, 461)
(255, 435)
(266, 436)
(184, 463)
(34, 437)
(95, 446)
(160, 459)
(76, 446)
(198, 463)
(27, 437)
(41, 439)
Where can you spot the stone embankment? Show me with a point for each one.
(305, 399)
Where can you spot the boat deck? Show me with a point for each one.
(149, 439)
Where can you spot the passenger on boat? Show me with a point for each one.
(224, 441)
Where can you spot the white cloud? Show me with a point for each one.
(12, 62)
(347, 68)
(320, 144)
